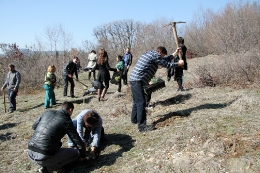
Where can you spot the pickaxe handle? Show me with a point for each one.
(4, 100)
(79, 81)
(173, 24)
(176, 37)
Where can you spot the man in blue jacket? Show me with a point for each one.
(127, 63)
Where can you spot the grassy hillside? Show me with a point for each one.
(210, 129)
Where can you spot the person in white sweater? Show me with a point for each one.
(92, 60)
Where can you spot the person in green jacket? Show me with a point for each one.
(119, 68)
(49, 84)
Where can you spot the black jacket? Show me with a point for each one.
(70, 68)
(50, 128)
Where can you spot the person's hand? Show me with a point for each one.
(70, 75)
(176, 51)
(84, 159)
(180, 62)
(14, 90)
(93, 149)
(150, 83)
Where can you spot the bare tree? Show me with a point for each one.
(116, 36)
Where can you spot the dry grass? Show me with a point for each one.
(200, 130)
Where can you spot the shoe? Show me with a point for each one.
(43, 170)
(10, 111)
(103, 99)
(72, 96)
(147, 128)
(180, 90)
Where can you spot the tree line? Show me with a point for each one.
(232, 33)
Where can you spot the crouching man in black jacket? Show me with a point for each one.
(44, 147)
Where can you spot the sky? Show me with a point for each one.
(22, 21)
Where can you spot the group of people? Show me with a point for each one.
(44, 147)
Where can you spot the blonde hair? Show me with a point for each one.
(50, 68)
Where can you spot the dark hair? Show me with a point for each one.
(181, 40)
(91, 117)
(119, 57)
(75, 57)
(93, 51)
(67, 105)
(11, 66)
(162, 49)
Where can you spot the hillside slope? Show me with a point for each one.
(210, 129)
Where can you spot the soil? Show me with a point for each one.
(210, 129)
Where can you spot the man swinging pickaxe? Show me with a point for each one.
(173, 24)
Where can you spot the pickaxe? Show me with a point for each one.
(173, 24)
(4, 100)
(79, 81)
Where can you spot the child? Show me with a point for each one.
(49, 84)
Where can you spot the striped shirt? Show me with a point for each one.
(147, 66)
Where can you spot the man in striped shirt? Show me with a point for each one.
(141, 75)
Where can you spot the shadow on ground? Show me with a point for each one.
(82, 100)
(164, 119)
(5, 137)
(125, 143)
(7, 126)
(177, 99)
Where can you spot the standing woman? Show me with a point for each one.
(49, 84)
(92, 60)
(103, 73)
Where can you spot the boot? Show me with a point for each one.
(99, 94)
(103, 94)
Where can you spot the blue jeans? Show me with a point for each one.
(87, 135)
(12, 98)
(49, 96)
(138, 111)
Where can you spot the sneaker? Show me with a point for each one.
(10, 111)
(147, 128)
(180, 90)
(43, 170)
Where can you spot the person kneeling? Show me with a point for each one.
(91, 121)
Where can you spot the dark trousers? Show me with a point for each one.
(148, 99)
(12, 99)
(94, 74)
(179, 81)
(72, 85)
(120, 82)
(124, 76)
(138, 111)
